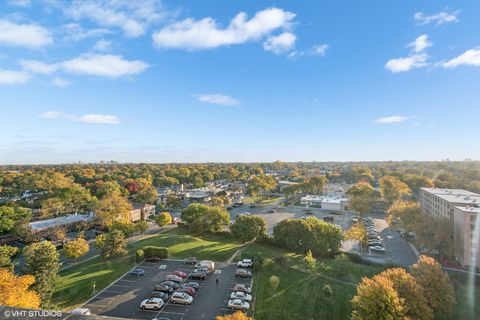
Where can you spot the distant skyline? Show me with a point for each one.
(189, 81)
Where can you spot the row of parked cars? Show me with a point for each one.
(374, 241)
(177, 287)
(240, 296)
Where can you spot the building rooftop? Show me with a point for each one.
(60, 221)
(469, 209)
(455, 195)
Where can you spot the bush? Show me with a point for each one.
(152, 251)
(139, 255)
(163, 219)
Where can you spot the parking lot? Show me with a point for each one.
(123, 297)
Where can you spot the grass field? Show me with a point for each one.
(265, 201)
(76, 284)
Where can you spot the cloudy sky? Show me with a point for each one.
(197, 81)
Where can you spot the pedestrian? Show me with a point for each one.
(216, 281)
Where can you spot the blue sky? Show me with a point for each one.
(203, 81)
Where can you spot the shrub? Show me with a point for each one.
(152, 251)
(139, 255)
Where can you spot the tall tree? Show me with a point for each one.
(42, 261)
(246, 228)
(113, 207)
(6, 254)
(203, 219)
(76, 248)
(408, 212)
(438, 289)
(415, 182)
(393, 188)
(363, 197)
(9, 215)
(15, 290)
(112, 244)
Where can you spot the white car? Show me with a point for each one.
(242, 287)
(245, 263)
(238, 304)
(152, 304)
(241, 295)
(181, 298)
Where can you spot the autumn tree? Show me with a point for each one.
(357, 232)
(147, 193)
(141, 226)
(438, 289)
(274, 283)
(113, 207)
(15, 290)
(415, 182)
(6, 255)
(377, 299)
(163, 219)
(435, 234)
(234, 316)
(76, 248)
(393, 189)
(408, 212)
(363, 197)
(247, 228)
(203, 219)
(112, 244)
(42, 261)
(317, 184)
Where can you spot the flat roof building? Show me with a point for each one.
(440, 202)
(467, 235)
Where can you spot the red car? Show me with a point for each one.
(180, 274)
(188, 290)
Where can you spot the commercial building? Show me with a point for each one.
(467, 235)
(440, 202)
(63, 221)
(326, 202)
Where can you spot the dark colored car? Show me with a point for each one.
(172, 284)
(242, 273)
(163, 288)
(328, 218)
(192, 284)
(190, 260)
(154, 259)
(198, 275)
(159, 294)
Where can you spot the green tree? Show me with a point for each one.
(317, 184)
(113, 207)
(274, 283)
(408, 212)
(435, 234)
(203, 219)
(112, 244)
(10, 214)
(247, 228)
(147, 194)
(438, 289)
(310, 262)
(6, 255)
(42, 261)
(163, 219)
(362, 197)
(393, 189)
(76, 248)
(415, 182)
(357, 232)
(141, 226)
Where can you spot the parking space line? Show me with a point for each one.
(112, 291)
(119, 285)
(126, 280)
(176, 313)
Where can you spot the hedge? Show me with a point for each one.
(152, 251)
(139, 255)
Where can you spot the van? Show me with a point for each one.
(210, 265)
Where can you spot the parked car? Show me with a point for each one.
(188, 290)
(190, 260)
(201, 269)
(272, 211)
(241, 295)
(328, 218)
(210, 265)
(159, 294)
(172, 284)
(152, 304)
(238, 304)
(181, 298)
(242, 273)
(81, 311)
(180, 274)
(372, 245)
(374, 242)
(174, 278)
(355, 219)
(377, 249)
(192, 284)
(373, 236)
(163, 288)
(153, 259)
(242, 287)
(197, 275)
(137, 272)
(245, 263)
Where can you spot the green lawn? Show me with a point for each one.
(76, 284)
(265, 201)
(300, 294)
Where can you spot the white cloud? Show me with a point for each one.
(281, 43)
(20, 3)
(111, 66)
(35, 66)
(87, 118)
(417, 58)
(392, 119)
(439, 18)
(8, 77)
(23, 35)
(102, 45)
(320, 49)
(201, 34)
(420, 44)
(219, 99)
(100, 65)
(60, 82)
(133, 17)
(75, 32)
(316, 50)
(470, 58)
(406, 64)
